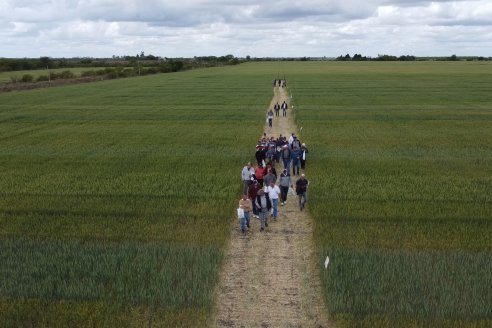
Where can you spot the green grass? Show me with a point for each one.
(127, 273)
(116, 196)
(6, 77)
(401, 192)
(123, 184)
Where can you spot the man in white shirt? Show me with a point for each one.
(291, 139)
(273, 192)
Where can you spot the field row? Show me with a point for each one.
(116, 197)
(401, 185)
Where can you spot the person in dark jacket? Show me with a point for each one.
(276, 108)
(301, 191)
(264, 205)
(260, 154)
(286, 157)
(304, 152)
(284, 108)
(252, 193)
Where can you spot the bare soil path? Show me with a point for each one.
(269, 279)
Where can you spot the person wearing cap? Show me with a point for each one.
(273, 193)
(301, 190)
(285, 183)
(247, 174)
(245, 204)
(252, 193)
(304, 152)
(264, 205)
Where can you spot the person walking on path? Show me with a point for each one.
(286, 157)
(273, 193)
(285, 183)
(247, 174)
(301, 190)
(304, 152)
(277, 109)
(269, 177)
(270, 118)
(252, 193)
(245, 204)
(284, 109)
(264, 205)
(291, 139)
(260, 173)
(296, 155)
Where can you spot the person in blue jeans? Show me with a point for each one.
(245, 204)
(273, 193)
(296, 161)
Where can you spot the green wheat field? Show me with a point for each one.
(116, 197)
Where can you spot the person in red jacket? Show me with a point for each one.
(260, 174)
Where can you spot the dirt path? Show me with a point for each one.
(269, 279)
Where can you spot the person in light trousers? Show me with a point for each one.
(248, 172)
(245, 204)
(273, 192)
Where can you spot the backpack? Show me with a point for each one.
(296, 144)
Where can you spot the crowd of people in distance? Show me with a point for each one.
(264, 188)
(280, 83)
(277, 107)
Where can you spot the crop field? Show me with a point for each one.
(401, 194)
(116, 197)
(6, 77)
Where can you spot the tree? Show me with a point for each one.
(45, 61)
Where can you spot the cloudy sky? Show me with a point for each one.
(175, 28)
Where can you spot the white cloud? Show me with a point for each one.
(259, 28)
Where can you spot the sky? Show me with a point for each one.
(258, 28)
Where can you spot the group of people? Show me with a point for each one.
(289, 152)
(263, 188)
(277, 107)
(280, 83)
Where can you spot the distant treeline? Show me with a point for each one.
(164, 64)
(140, 61)
(359, 57)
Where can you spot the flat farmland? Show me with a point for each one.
(401, 193)
(6, 77)
(116, 197)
